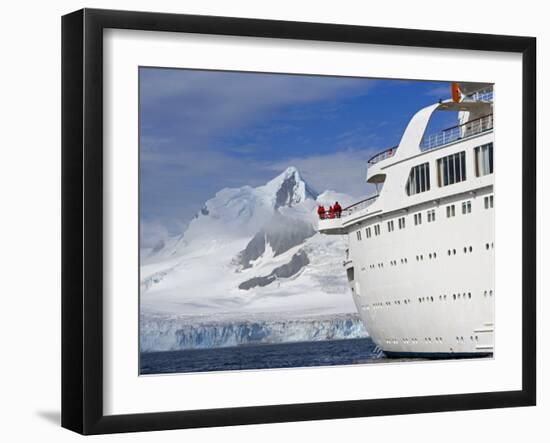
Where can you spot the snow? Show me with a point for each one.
(197, 274)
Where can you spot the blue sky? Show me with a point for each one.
(201, 131)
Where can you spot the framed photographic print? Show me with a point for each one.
(261, 218)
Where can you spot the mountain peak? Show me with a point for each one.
(289, 188)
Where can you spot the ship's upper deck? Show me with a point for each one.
(475, 120)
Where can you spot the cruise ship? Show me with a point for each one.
(420, 257)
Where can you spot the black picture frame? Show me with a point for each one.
(82, 218)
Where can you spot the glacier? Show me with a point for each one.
(174, 333)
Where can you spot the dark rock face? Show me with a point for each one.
(296, 264)
(205, 211)
(286, 193)
(254, 249)
(281, 233)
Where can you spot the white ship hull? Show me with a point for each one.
(420, 262)
(439, 301)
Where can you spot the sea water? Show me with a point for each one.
(279, 355)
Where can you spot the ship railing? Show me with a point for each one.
(382, 155)
(360, 205)
(459, 132)
(479, 96)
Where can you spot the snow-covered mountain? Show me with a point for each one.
(249, 252)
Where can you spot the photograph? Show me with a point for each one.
(296, 220)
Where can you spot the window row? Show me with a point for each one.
(431, 255)
(450, 169)
(414, 341)
(450, 211)
(429, 299)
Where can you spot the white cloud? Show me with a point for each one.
(206, 104)
(152, 233)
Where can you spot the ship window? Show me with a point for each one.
(376, 229)
(419, 179)
(390, 226)
(368, 232)
(401, 223)
(450, 211)
(358, 235)
(451, 169)
(431, 215)
(467, 207)
(488, 201)
(418, 218)
(484, 159)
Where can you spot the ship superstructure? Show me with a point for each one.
(420, 260)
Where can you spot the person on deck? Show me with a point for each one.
(321, 212)
(337, 210)
(330, 212)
